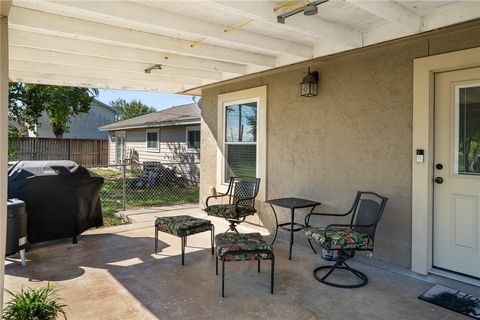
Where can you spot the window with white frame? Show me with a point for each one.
(193, 139)
(153, 140)
(240, 140)
(241, 136)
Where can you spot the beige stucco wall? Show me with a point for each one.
(355, 135)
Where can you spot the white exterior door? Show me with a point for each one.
(120, 147)
(456, 227)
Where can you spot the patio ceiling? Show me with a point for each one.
(109, 44)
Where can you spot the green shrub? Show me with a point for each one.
(34, 304)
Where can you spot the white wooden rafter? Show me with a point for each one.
(77, 60)
(143, 18)
(307, 26)
(47, 23)
(391, 11)
(89, 48)
(17, 65)
(92, 82)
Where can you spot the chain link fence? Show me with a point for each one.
(148, 185)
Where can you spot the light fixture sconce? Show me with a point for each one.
(112, 137)
(309, 84)
(154, 67)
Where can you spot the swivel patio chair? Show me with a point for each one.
(339, 242)
(241, 195)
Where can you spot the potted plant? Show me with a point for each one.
(34, 304)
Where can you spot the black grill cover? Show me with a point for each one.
(62, 198)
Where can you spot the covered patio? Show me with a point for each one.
(114, 274)
(379, 64)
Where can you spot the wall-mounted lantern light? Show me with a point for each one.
(309, 84)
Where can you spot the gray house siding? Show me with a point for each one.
(172, 147)
(83, 126)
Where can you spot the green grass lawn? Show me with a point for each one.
(111, 194)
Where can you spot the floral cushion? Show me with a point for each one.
(230, 244)
(339, 238)
(182, 226)
(228, 211)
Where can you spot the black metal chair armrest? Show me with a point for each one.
(308, 216)
(215, 196)
(349, 226)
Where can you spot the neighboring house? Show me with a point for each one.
(83, 126)
(168, 136)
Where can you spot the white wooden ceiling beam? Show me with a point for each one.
(47, 23)
(309, 26)
(76, 60)
(148, 19)
(17, 65)
(88, 48)
(391, 11)
(90, 82)
(452, 14)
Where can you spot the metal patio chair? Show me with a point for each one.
(241, 194)
(339, 242)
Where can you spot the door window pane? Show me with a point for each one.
(468, 159)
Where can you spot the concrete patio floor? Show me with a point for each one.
(112, 273)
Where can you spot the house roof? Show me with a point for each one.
(177, 115)
(103, 104)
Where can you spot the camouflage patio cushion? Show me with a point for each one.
(230, 244)
(182, 226)
(228, 211)
(339, 238)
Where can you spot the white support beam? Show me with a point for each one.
(91, 82)
(308, 26)
(3, 148)
(391, 11)
(149, 19)
(16, 65)
(452, 14)
(88, 48)
(76, 60)
(46, 23)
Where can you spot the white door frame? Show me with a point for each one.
(424, 70)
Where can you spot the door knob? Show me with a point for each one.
(439, 180)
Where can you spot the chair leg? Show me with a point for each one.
(212, 236)
(340, 265)
(216, 266)
(156, 240)
(272, 275)
(183, 251)
(223, 278)
(258, 265)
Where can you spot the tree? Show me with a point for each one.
(28, 101)
(131, 109)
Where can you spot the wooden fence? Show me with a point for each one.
(82, 151)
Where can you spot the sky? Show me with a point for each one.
(153, 99)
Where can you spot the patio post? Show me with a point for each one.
(3, 140)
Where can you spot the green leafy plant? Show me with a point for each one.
(34, 304)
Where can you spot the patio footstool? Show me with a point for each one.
(182, 226)
(243, 247)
